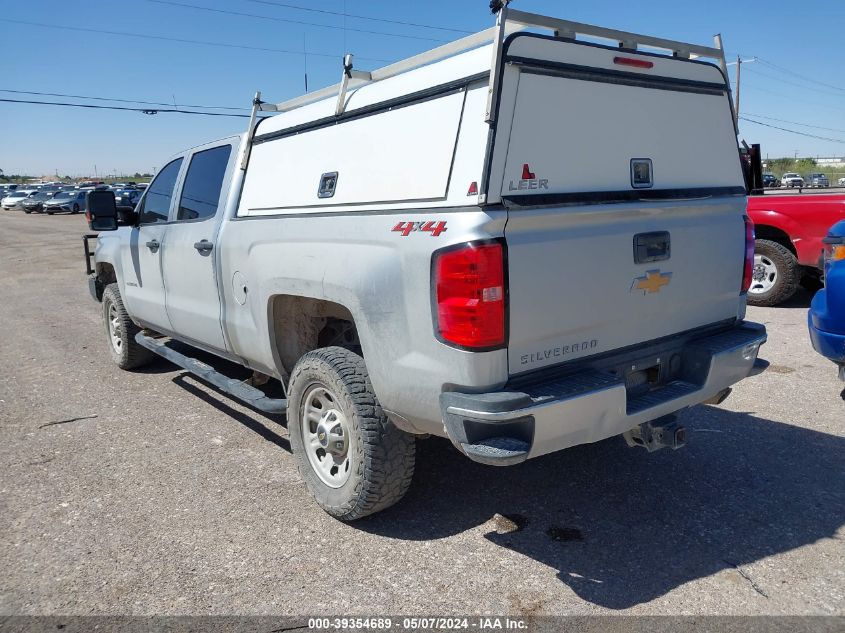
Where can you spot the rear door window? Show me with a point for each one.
(156, 204)
(203, 183)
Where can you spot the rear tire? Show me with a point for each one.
(75, 208)
(121, 331)
(353, 459)
(775, 275)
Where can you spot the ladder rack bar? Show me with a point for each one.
(256, 106)
(555, 24)
(496, 63)
(441, 52)
(508, 21)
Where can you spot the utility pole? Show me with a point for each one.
(739, 62)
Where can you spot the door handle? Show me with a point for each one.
(153, 245)
(203, 246)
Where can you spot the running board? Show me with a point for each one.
(236, 388)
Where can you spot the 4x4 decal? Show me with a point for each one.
(406, 228)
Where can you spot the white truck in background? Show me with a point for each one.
(506, 241)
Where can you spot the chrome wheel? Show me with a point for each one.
(325, 436)
(763, 276)
(115, 329)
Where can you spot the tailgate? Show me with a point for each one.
(575, 289)
(625, 197)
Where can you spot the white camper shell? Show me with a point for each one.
(576, 113)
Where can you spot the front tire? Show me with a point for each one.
(775, 276)
(75, 208)
(353, 459)
(121, 331)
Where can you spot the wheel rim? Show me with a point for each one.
(325, 436)
(115, 329)
(764, 276)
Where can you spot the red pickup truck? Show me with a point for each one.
(789, 230)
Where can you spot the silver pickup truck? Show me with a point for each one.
(507, 241)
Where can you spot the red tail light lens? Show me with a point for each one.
(632, 61)
(749, 254)
(470, 296)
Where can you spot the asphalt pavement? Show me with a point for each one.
(167, 497)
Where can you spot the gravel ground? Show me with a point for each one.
(175, 499)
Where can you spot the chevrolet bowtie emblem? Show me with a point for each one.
(653, 281)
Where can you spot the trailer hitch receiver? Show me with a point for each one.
(663, 432)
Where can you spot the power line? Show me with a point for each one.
(275, 19)
(783, 129)
(793, 83)
(818, 127)
(181, 40)
(127, 109)
(793, 98)
(360, 17)
(800, 76)
(138, 101)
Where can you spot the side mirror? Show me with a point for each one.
(101, 210)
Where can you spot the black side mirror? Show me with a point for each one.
(101, 210)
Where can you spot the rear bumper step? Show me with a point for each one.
(236, 388)
(555, 412)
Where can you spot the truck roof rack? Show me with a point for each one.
(507, 21)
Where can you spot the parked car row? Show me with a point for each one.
(50, 202)
(52, 198)
(792, 179)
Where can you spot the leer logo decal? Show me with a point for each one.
(651, 282)
(529, 180)
(406, 228)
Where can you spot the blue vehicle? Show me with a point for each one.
(826, 318)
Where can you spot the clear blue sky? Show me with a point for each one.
(39, 139)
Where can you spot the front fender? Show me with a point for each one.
(108, 251)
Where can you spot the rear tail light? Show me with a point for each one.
(749, 254)
(469, 293)
(834, 248)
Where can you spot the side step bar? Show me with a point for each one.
(236, 388)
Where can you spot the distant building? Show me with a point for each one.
(831, 162)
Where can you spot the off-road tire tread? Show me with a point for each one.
(133, 355)
(789, 274)
(386, 465)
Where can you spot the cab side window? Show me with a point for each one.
(156, 204)
(203, 183)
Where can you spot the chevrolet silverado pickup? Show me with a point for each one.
(506, 241)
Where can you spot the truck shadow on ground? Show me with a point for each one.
(623, 526)
(255, 421)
